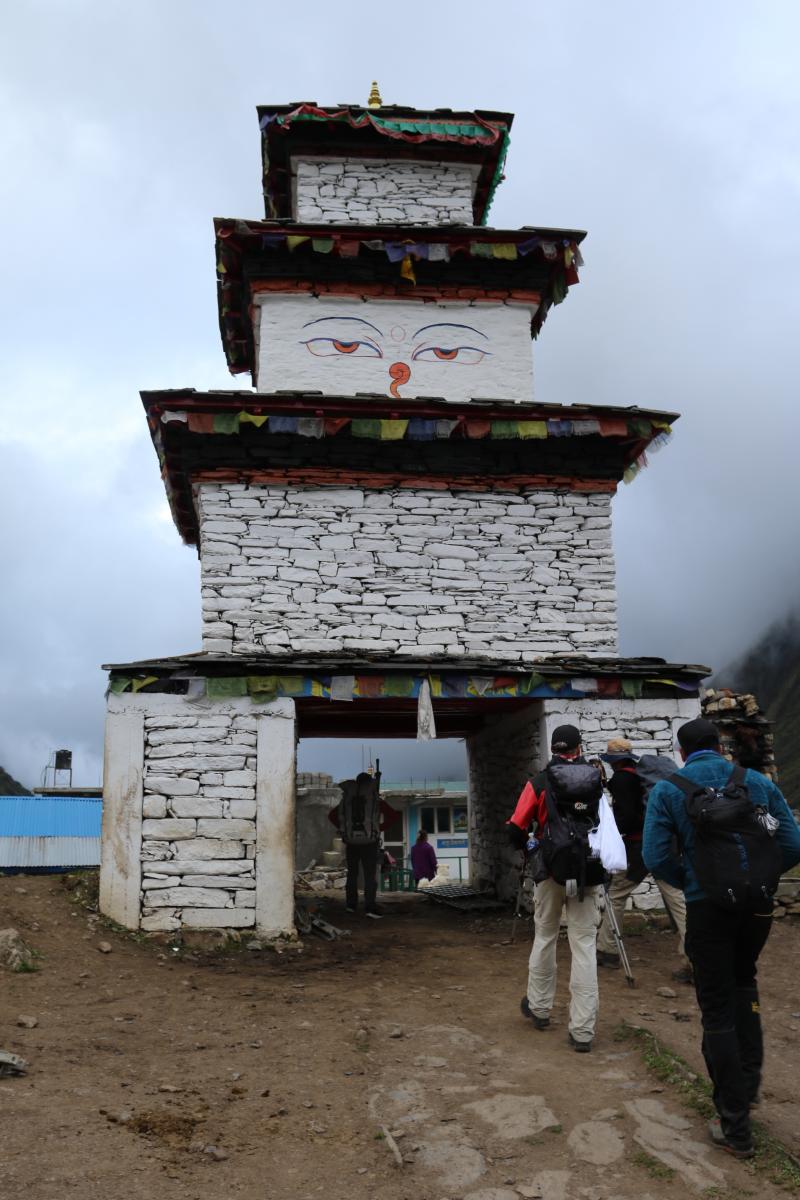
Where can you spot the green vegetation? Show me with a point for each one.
(654, 1168)
(772, 1158)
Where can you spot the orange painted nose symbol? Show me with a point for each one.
(399, 373)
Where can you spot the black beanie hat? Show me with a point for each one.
(699, 734)
(565, 739)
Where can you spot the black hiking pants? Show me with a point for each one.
(364, 855)
(723, 948)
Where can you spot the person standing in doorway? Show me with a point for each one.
(423, 858)
(360, 817)
(736, 834)
(628, 796)
(562, 804)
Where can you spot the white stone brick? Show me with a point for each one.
(161, 920)
(245, 809)
(210, 848)
(227, 828)
(188, 866)
(240, 778)
(154, 806)
(195, 806)
(168, 829)
(166, 785)
(193, 897)
(218, 918)
(239, 882)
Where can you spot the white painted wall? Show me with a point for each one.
(395, 347)
(372, 192)
(502, 576)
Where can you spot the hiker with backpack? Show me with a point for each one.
(360, 817)
(735, 836)
(628, 792)
(563, 803)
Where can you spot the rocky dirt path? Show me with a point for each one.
(188, 1076)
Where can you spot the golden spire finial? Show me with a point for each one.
(374, 100)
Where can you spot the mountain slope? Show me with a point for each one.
(771, 670)
(9, 785)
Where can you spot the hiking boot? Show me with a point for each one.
(538, 1022)
(606, 959)
(684, 975)
(739, 1149)
(350, 910)
(374, 914)
(580, 1047)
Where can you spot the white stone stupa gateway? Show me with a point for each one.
(389, 523)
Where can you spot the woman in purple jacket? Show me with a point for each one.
(423, 858)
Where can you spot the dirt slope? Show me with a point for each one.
(287, 1068)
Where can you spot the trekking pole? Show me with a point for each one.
(520, 895)
(615, 929)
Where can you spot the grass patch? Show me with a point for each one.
(772, 1158)
(29, 966)
(654, 1168)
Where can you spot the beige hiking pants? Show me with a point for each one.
(621, 888)
(582, 920)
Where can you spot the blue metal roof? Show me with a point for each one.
(45, 816)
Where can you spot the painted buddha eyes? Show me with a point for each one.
(466, 355)
(326, 347)
(370, 341)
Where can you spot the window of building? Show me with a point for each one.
(442, 819)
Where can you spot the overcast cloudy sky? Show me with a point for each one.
(668, 130)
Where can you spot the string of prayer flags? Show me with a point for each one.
(407, 270)
(420, 430)
(532, 429)
(284, 424)
(313, 427)
(221, 687)
(478, 429)
(426, 726)
(393, 430)
(264, 688)
(343, 687)
(257, 419)
(226, 422)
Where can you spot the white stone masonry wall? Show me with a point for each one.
(500, 576)
(368, 192)
(199, 827)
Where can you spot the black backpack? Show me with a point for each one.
(572, 794)
(736, 860)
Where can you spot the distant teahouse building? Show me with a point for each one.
(392, 530)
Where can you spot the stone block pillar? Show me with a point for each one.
(275, 818)
(121, 844)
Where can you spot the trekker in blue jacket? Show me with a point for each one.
(722, 944)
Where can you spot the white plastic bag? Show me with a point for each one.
(606, 840)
